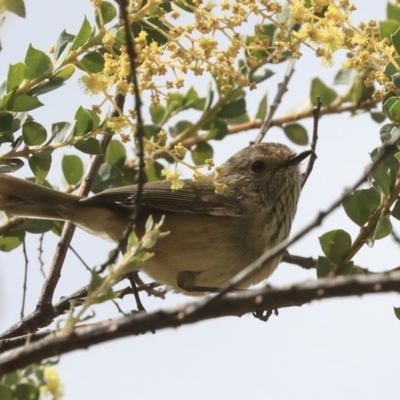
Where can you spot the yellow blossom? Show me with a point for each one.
(117, 124)
(180, 150)
(162, 135)
(108, 39)
(53, 384)
(197, 176)
(220, 188)
(331, 37)
(95, 83)
(123, 86)
(173, 177)
(298, 12)
(209, 163)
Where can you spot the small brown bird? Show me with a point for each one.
(212, 236)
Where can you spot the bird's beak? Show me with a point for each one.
(296, 159)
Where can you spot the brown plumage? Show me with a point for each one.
(212, 237)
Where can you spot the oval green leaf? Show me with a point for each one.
(11, 240)
(296, 133)
(72, 167)
(33, 133)
(201, 153)
(361, 205)
(335, 244)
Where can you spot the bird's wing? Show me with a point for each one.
(192, 198)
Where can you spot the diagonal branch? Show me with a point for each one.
(242, 302)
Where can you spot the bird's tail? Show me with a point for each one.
(27, 199)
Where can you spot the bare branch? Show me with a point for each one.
(242, 302)
(24, 286)
(313, 157)
(282, 88)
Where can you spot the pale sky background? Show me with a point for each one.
(340, 348)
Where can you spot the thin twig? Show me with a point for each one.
(313, 156)
(77, 255)
(282, 88)
(24, 285)
(40, 251)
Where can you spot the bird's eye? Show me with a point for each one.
(258, 167)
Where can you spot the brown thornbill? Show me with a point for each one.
(212, 236)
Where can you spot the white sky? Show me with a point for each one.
(347, 349)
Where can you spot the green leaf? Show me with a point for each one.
(65, 73)
(16, 74)
(92, 62)
(46, 87)
(25, 391)
(233, 109)
(201, 153)
(37, 226)
(262, 108)
(116, 153)
(347, 269)
(6, 124)
(388, 27)
(36, 63)
(84, 122)
(335, 244)
(378, 117)
(33, 133)
(64, 40)
(326, 94)
(393, 12)
(54, 82)
(397, 312)
(11, 240)
(324, 267)
(153, 171)
(151, 131)
(108, 13)
(40, 164)
(157, 114)
(361, 205)
(389, 71)
(345, 77)
(11, 165)
(153, 34)
(72, 167)
(24, 103)
(19, 120)
(209, 99)
(108, 177)
(296, 133)
(181, 126)
(217, 129)
(387, 105)
(396, 79)
(88, 146)
(83, 35)
(61, 132)
(261, 75)
(396, 210)
(17, 7)
(6, 393)
(384, 228)
(382, 179)
(394, 111)
(10, 379)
